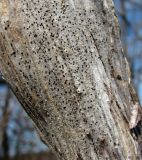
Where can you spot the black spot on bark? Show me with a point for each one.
(13, 54)
(89, 137)
(79, 157)
(35, 35)
(119, 77)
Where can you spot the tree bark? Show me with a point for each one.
(64, 61)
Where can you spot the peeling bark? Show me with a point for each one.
(64, 62)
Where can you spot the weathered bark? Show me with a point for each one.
(39, 156)
(64, 61)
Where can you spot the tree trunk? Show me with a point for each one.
(64, 61)
(6, 116)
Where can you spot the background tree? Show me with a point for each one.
(17, 132)
(129, 13)
(64, 61)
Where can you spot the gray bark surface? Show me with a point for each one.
(64, 61)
